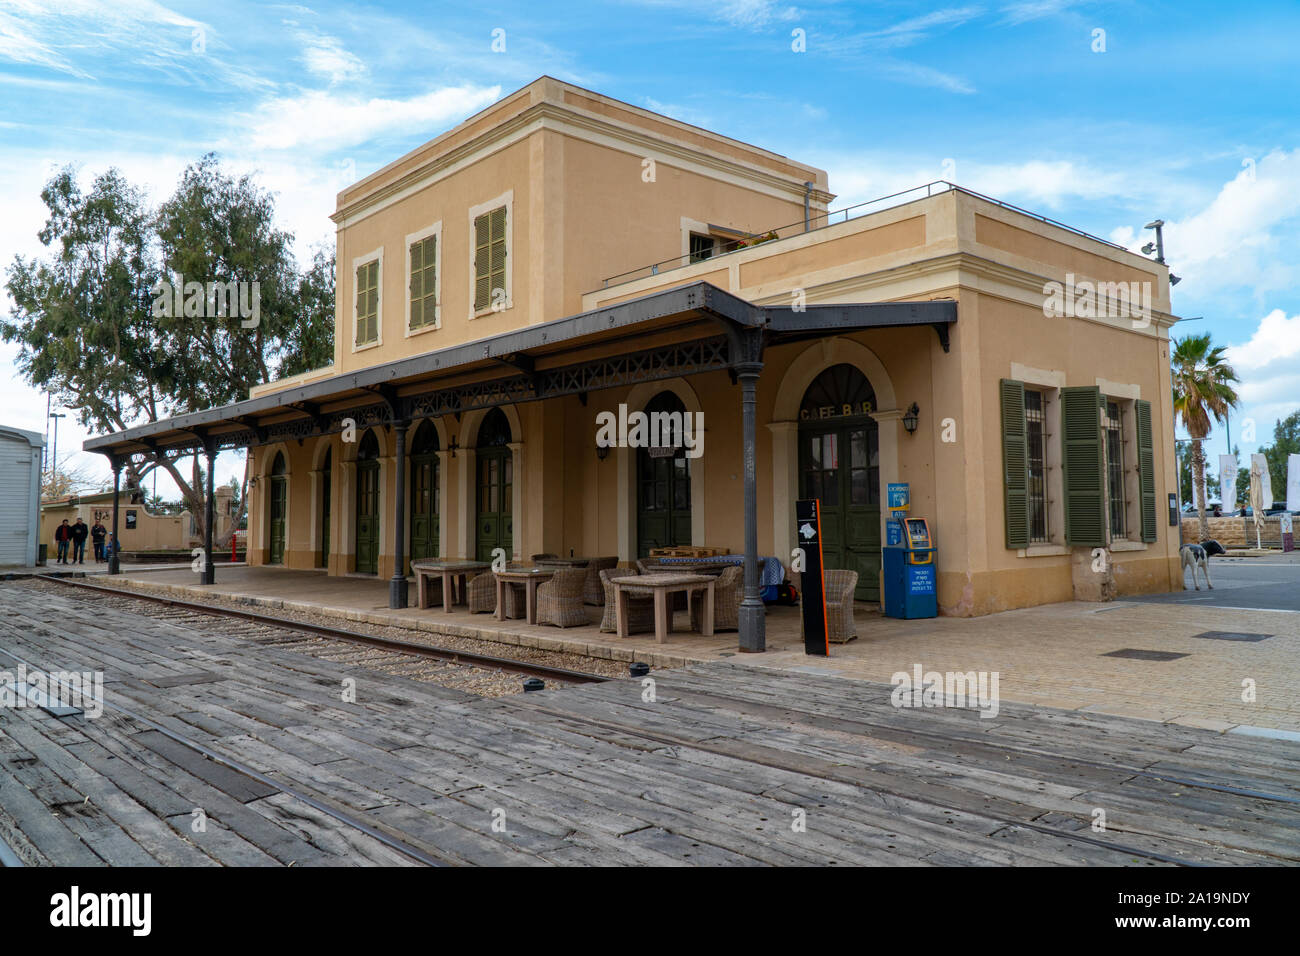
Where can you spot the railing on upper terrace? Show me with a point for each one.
(820, 220)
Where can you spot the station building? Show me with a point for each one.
(563, 254)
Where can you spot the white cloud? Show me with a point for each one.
(753, 13)
(918, 75)
(323, 120)
(1263, 196)
(325, 56)
(1277, 339)
(1016, 13)
(917, 28)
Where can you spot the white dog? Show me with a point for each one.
(1194, 556)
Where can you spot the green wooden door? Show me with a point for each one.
(279, 509)
(495, 489)
(839, 463)
(326, 485)
(368, 517)
(663, 489)
(663, 513)
(368, 505)
(424, 506)
(494, 527)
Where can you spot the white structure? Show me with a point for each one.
(1293, 483)
(20, 478)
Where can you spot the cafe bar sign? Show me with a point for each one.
(817, 412)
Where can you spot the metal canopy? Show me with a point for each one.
(508, 367)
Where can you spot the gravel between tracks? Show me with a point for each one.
(473, 679)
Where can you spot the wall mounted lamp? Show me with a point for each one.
(452, 446)
(910, 418)
(602, 452)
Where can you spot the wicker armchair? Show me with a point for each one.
(593, 592)
(728, 592)
(559, 600)
(482, 591)
(640, 605)
(840, 586)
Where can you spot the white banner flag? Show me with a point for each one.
(1228, 482)
(1293, 483)
(1264, 483)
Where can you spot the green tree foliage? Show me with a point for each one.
(1286, 442)
(86, 320)
(1203, 390)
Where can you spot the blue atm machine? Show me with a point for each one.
(907, 561)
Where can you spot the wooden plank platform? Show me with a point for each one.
(726, 764)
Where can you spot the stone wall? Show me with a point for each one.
(1235, 532)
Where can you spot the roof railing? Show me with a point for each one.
(832, 217)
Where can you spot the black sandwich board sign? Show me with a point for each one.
(808, 532)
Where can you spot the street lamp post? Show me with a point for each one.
(54, 456)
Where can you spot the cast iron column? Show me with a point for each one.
(753, 620)
(117, 542)
(397, 585)
(209, 573)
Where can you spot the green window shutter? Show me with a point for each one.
(367, 303)
(423, 282)
(1146, 470)
(497, 259)
(482, 263)
(361, 305)
(1083, 457)
(1015, 464)
(430, 280)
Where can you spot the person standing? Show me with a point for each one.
(97, 535)
(79, 534)
(63, 538)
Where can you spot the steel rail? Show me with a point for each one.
(392, 644)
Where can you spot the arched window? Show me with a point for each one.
(495, 430)
(278, 465)
(369, 448)
(842, 391)
(425, 440)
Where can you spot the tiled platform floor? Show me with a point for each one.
(1051, 655)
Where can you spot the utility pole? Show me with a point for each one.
(54, 458)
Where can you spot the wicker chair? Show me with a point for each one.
(728, 592)
(559, 600)
(482, 598)
(840, 586)
(593, 592)
(640, 605)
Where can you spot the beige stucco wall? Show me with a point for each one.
(581, 211)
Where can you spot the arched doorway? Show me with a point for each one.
(839, 462)
(425, 506)
(368, 504)
(663, 488)
(495, 524)
(327, 470)
(279, 499)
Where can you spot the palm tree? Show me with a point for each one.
(1202, 388)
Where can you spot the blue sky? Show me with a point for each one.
(1189, 114)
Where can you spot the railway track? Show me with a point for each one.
(609, 727)
(191, 611)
